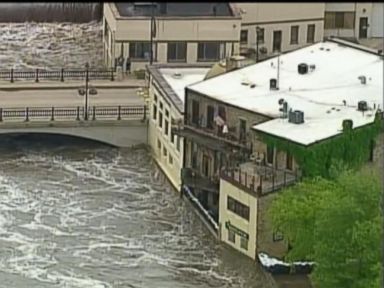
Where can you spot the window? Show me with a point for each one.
(160, 119)
(166, 113)
(244, 36)
(195, 112)
(140, 50)
(161, 105)
(289, 161)
(208, 51)
(294, 34)
(339, 20)
(238, 208)
(243, 130)
(172, 133)
(222, 113)
(158, 144)
(177, 52)
(210, 116)
(155, 98)
(311, 33)
(260, 35)
(165, 152)
(154, 112)
(178, 143)
(170, 159)
(231, 236)
(270, 154)
(166, 126)
(244, 243)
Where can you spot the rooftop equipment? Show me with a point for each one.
(296, 117)
(362, 106)
(273, 84)
(302, 68)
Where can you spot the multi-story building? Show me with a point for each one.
(166, 101)
(354, 20)
(246, 132)
(203, 32)
(271, 28)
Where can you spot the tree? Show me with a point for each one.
(335, 223)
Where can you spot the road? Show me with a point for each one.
(68, 97)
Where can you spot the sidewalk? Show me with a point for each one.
(70, 84)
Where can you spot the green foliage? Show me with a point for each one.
(352, 148)
(335, 223)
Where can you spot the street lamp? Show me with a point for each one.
(83, 91)
(258, 30)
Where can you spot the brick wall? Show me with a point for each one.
(265, 242)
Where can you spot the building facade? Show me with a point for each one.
(270, 28)
(234, 121)
(179, 32)
(354, 20)
(166, 85)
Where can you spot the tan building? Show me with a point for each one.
(166, 102)
(354, 20)
(203, 32)
(230, 167)
(270, 28)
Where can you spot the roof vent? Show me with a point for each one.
(362, 106)
(321, 48)
(273, 84)
(347, 124)
(253, 85)
(296, 117)
(312, 67)
(302, 68)
(177, 75)
(363, 79)
(284, 108)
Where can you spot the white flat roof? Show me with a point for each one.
(187, 77)
(319, 94)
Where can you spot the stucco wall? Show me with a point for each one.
(247, 226)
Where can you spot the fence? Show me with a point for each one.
(73, 113)
(56, 75)
(261, 183)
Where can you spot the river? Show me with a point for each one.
(75, 213)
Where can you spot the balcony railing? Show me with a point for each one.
(232, 138)
(192, 178)
(262, 180)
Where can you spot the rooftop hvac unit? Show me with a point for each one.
(362, 106)
(302, 68)
(296, 117)
(273, 84)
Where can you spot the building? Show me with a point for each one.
(254, 130)
(270, 28)
(203, 32)
(354, 20)
(166, 101)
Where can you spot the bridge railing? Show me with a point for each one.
(56, 75)
(38, 114)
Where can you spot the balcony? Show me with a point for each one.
(193, 179)
(259, 179)
(209, 137)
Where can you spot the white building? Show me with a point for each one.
(166, 102)
(357, 20)
(181, 32)
(339, 81)
(279, 27)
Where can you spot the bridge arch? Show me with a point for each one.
(132, 134)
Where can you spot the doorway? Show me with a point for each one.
(363, 27)
(276, 41)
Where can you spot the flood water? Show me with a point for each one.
(50, 46)
(75, 213)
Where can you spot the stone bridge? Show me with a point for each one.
(120, 126)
